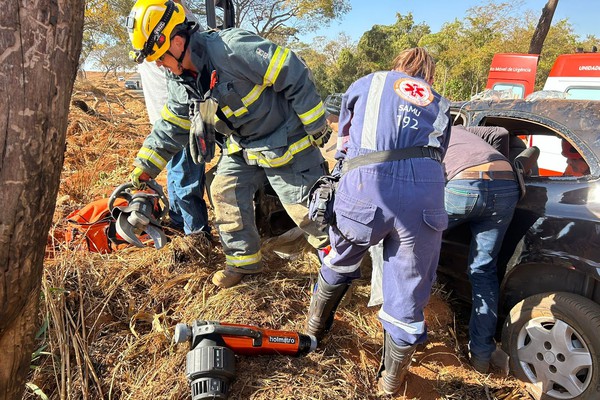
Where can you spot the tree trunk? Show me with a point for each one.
(542, 28)
(40, 42)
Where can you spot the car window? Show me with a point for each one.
(557, 156)
(517, 91)
(584, 93)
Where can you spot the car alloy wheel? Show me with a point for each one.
(554, 346)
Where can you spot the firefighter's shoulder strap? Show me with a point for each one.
(392, 155)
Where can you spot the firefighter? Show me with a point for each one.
(394, 129)
(260, 96)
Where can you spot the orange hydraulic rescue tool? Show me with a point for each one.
(210, 363)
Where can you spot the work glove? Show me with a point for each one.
(320, 138)
(202, 130)
(138, 178)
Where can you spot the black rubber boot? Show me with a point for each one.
(395, 361)
(324, 302)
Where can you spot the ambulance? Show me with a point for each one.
(573, 76)
(513, 74)
(577, 75)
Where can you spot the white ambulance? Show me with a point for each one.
(573, 76)
(577, 75)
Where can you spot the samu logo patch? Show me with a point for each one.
(414, 91)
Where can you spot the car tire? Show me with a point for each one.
(553, 340)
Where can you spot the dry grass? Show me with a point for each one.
(111, 317)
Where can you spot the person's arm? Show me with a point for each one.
(345, 121)
(444, 139)
(154, 86)
(267, 64)
(169, 134)
(496, 136)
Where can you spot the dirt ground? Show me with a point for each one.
(108, 319)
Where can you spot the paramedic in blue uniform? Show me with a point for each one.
(398, 200)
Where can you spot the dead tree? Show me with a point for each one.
(542, 28)
(40, 42)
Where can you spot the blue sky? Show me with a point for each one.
(583, 15)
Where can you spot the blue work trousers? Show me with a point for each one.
(488, 207)
(185, 185)
(401, 203)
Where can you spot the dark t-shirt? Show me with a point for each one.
(471, 146)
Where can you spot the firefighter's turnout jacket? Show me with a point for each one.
(264, 90)
(269, 103)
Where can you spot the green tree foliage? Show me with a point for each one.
(380, 45)
(345, 62)
(280, 20)
(104, 27)
(464, 48)
(327, 60)
(350, 67)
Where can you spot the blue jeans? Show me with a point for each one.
(185, 185)
(488, 207)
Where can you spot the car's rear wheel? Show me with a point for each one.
(553, 341)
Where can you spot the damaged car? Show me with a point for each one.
(549, 265)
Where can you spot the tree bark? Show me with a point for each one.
(542, 28)
(40, 42)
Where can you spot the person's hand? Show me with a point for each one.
(319, 139)
(332, 122)
(138, 178)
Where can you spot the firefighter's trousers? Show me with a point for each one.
(232, 193)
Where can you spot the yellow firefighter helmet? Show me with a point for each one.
(150, 25)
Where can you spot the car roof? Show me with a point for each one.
(578, 120)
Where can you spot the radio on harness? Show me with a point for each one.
(320, 201)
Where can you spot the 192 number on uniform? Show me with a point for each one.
(409, 122)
